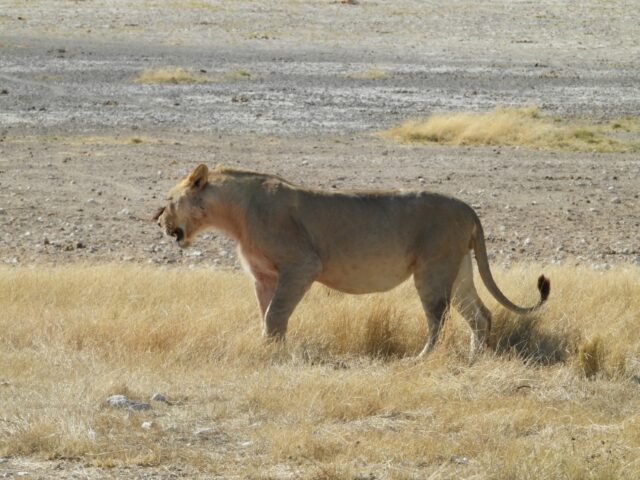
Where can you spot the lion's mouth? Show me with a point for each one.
(178, 233)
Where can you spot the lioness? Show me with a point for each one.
(356, 242)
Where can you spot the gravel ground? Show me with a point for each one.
(299, 88)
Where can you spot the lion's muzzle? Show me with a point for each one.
(178, 233)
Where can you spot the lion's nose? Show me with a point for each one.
(178, 233)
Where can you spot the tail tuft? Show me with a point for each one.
(544, 287)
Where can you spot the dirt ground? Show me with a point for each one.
(87, 154)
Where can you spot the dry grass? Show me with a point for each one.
(178, 75)
(526, 127)
(371, 74)
(556, 397)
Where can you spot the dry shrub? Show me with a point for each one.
(169, 75)
(371, 74)
(178, 75)
(519, 127)
(591, 356)
(526, 338)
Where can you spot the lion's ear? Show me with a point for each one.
(199, 177)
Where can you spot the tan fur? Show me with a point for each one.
(356, 242)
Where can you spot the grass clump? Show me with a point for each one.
(526, 127)
(179, 75)
(372, 74)
(175, 75)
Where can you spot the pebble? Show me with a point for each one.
(159, 397)
(616, 200)
(147, 425)
(121, 401)
(460, 460)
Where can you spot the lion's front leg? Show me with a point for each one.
(291, 286)
(265, 286)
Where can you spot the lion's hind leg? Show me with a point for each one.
(434, 283)
(468, 303)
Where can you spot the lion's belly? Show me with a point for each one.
(365, 275)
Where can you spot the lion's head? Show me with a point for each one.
(184, 215)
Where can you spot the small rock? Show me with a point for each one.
(80, 245)
(203, 431)
(3, 211)
(124, 211)
(119, 401)
(158, 397)
(91, 200)
(4, 383)
(147, 425)
(616, 200)
(139, 406)
(460, 460)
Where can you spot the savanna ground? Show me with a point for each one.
(103, 105)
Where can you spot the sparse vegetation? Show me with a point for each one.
(170, 75)
(372, 74)
(177, 75)
(338, 400)
(526, 127)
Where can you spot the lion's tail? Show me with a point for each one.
(480, 249)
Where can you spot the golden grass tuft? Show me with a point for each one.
(371, 74)
(179, 75)
(591, 355)
(526, 127)
(170, 75)
(338, 400)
